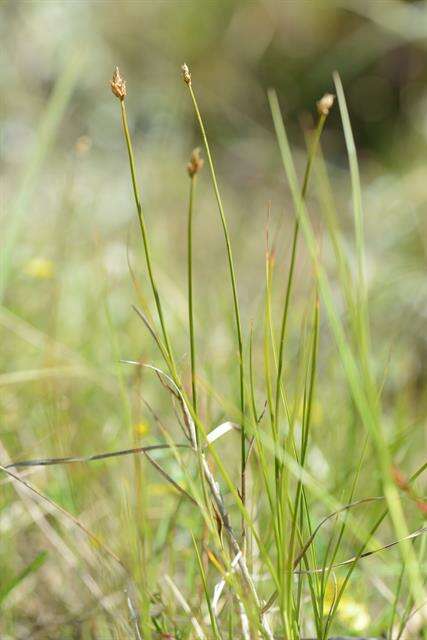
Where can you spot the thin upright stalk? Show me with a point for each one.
(187, 79)
(366, 400)
(143, 228)
(282, 479)
(190, 290)
(312, 154)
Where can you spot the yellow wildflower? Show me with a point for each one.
(141, 429)
(41, 268)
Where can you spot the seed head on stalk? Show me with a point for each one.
(196, 162)
(324, 105)
(186, 74)
(118, 85)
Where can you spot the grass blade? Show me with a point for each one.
(31, 568)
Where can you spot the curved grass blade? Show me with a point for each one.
(44, 462)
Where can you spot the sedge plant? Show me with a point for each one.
(286, 482)
(258, 544)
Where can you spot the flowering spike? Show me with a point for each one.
(186, 74)
(196, 162)
(118, 85)
(324, 105)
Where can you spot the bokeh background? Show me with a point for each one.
(69, 232)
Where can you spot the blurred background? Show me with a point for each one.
(69, 232)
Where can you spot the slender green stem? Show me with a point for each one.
(267, 330)
(306, 423)
(282, 481)
(168, 349)
(366, 400)
(190, 290)
(233, 287)
(311, 156)
(144, 235)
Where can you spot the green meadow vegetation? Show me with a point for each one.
(213, 386)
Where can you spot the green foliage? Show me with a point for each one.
(207, 460)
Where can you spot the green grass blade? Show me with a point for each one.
(214, 623)
(230, 260)
(190, 290)
(31, 568)
(48, 128)
(365, 399)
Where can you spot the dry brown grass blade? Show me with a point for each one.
(33, 501)
(347, 507)
(44, 462)
(216, 495)
(366, 554)
(411, 536)
(151, 331)
(99, 543)
(309, 541)
(169, 478)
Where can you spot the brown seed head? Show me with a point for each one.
(324, 105)
(196, 162)
(118, 85)
(186, 74)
